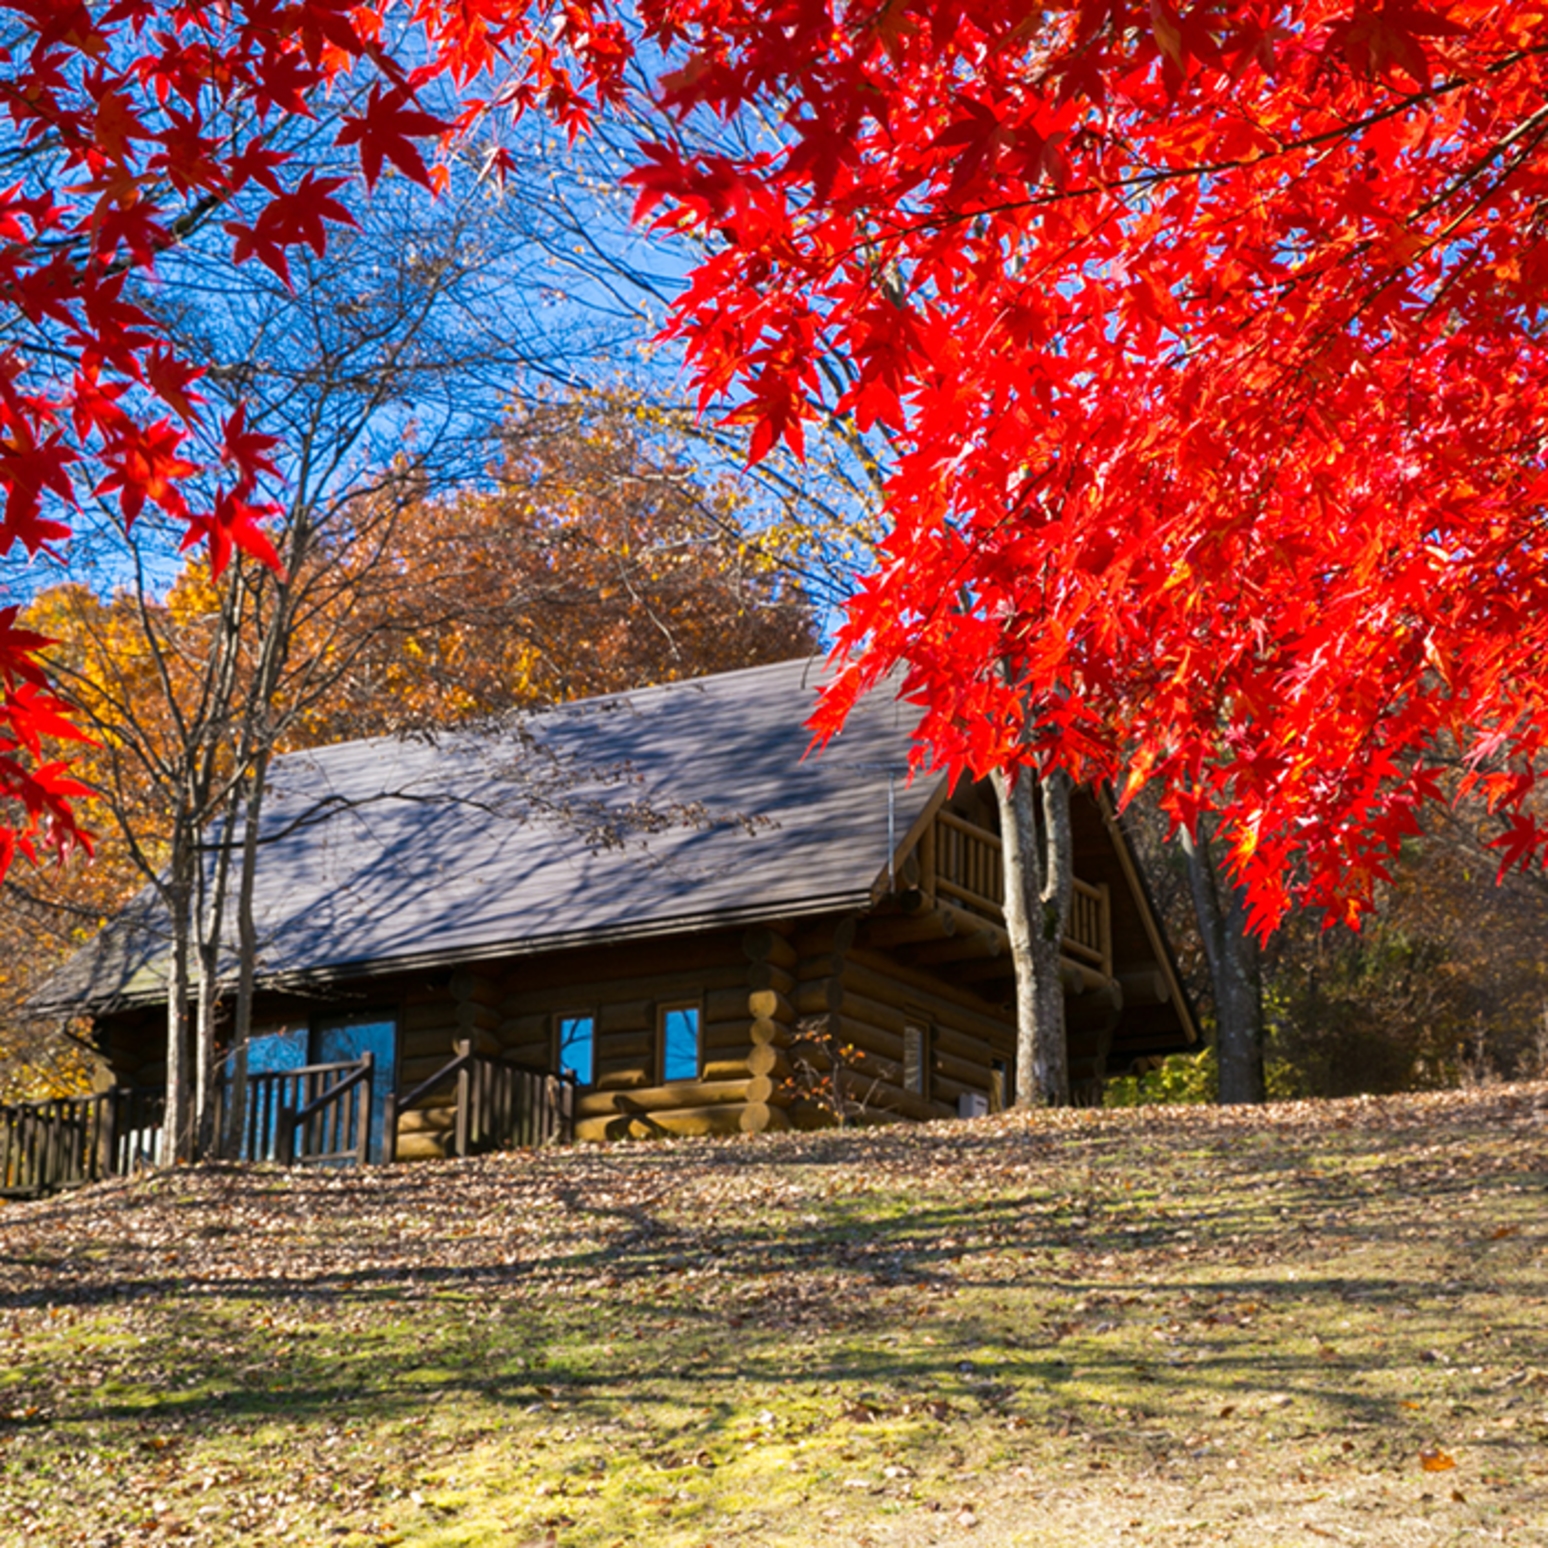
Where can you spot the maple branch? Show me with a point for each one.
(893, 232)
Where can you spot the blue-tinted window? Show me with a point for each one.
(680, 1043)
(578, 1048)
(343, 1042)
(274, 1049)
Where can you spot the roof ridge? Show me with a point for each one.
(473, 729)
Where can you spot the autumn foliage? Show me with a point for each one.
(1206, 342)
(1210, 342)
(595, 559)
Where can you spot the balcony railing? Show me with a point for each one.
(962, 863)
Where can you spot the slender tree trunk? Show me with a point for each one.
(247, 955)
(1235, 970)
(1039, 878)
(213, 888)
(177, 1133)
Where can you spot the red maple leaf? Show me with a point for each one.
(386, 131)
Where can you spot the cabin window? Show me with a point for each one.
(680, 1050)
(916, 1058)
(578, 1048)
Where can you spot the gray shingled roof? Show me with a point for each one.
(637, 814)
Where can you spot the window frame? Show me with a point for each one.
(665, 1008)
(578, 1013)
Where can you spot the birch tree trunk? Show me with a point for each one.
(1235, 969)
(247, 957)
(177, 1135)
(1039, 878)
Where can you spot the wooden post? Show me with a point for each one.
(312, 1138)
(53, 1162)
(285, 1135)
(363, 1095)
(464, 1048)
(1106, 929)
(390, 1129)
(107, 1135)
(82, 1147)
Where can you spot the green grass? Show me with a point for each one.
(1142, 1326)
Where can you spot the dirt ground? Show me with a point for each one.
(1295, 1325)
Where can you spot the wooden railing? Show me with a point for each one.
(67, 1141)
(968, 865)
(963, 863)
(317, 1113)
(335, 1125)
(1088, 936)
(500, 1103)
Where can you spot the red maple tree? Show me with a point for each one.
(1207, 341)
(1210, 344)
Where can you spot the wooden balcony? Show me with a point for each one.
(961, 863)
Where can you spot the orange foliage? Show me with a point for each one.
(589, 566)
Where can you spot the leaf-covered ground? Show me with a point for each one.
(1300, 1325)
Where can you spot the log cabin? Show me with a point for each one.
(666, 895)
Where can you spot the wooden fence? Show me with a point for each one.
(71, 1140)
(316, 1113)
(500, 1104)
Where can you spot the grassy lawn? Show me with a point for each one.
(1300, 1325)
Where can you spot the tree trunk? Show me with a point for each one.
(1039, 878)
(247, 956)
(211, 916)
(177, 1129)
(1235, 970)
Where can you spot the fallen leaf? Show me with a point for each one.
(1437, 1461)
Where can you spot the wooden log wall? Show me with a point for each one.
(740, 982)
(432, 1019)
(852, 990)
